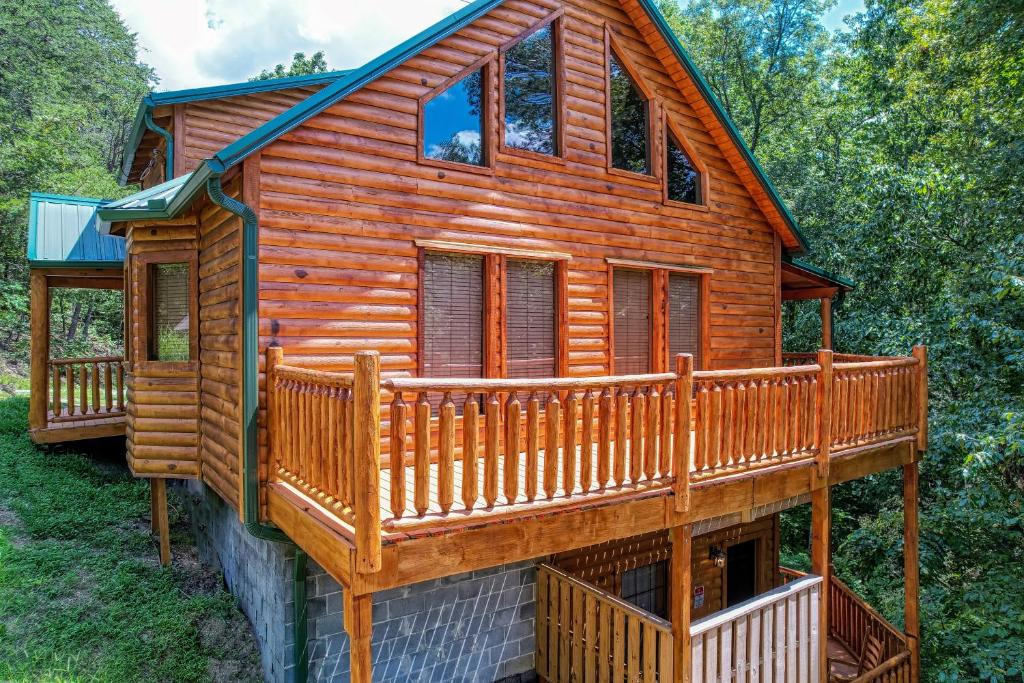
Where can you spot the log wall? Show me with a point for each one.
(343, 199)
(163, 402)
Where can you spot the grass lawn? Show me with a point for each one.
(82, 596)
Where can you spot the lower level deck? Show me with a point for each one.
(99, 426)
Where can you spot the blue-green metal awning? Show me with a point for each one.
(65, 232)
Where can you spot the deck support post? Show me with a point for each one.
(158, 502)
(681, 444)
(821, 556)
(911, 578)
(826, 322)
(39, 341)
(359, 626)
(679, 596)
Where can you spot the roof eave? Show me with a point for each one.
(683, 56)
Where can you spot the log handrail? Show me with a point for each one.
(585, 633)
(454, 452)
(896, 668)
(851, 620)
(85, 388)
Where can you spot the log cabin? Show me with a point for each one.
(489, 329)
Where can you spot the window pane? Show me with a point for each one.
(632, 321)
(529, 93)
(169, 334)
(684, 318)
(453, 312)
(629, 121)
(530, 318)
(647, 588)
(453, 124)
(683, 177)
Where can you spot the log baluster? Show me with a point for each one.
(446, 454)
(421, 455)
(532, 445)
(513, 416)
(396, 470)
(587, 441)
(569, 443)
(553, 412)
(604, 437)
(621, 434)
(470, 450)
(492, 429)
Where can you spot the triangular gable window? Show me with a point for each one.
(453, 124)
(630, 120)
(684, 180)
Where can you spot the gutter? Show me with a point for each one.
(166, 135)
(250, 427)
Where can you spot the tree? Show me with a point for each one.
(70, 83)
(300, 66)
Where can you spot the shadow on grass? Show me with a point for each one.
(82, 596)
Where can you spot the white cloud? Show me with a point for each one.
(194, 43)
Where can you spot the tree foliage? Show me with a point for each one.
(899, 143)
(70, 81)
(300, 66)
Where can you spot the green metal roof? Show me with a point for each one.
(168, 97)
(351, 81)
(160, 201)
(837, 280)
(64, 232)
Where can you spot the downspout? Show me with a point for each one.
(168, 138)
(250, 426)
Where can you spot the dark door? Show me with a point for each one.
(741, 572)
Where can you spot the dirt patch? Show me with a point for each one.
(10, 520)
(241, 659)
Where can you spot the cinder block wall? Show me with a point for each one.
(476, 627)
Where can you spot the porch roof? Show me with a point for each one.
(66, 232)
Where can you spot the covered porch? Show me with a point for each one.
(71, 398)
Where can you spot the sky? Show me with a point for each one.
(194, 43)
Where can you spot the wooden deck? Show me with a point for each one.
(90, 427)
(593, 459)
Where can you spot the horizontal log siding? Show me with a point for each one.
(162, 423)
(211, 125)
(343, 199)
(220, 346)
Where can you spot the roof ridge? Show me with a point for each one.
(66, 198)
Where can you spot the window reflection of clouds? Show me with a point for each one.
(529, 93)
(452, 123)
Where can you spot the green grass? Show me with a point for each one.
(82, 596)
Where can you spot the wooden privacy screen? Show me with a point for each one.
(632, 322)
(684, 317)
(530, 318)
(453, 315)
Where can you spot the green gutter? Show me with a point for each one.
(250, 458)
(166, 135)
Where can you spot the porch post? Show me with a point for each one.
(821, 555)
(679, 596)
(911, 590)
(359, 625)
(39, 342)
(826, 322)
(158, 505)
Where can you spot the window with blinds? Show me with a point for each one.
(169, 324)
(684, 317)
(453, 315)
(530, 318)
(632, 323)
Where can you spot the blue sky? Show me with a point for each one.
(193, 43)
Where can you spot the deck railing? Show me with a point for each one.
(851, 621)
(586, 634)
(86, 388)
(410, 455)
(771, 637)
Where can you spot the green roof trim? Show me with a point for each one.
(168, 97)
(705, 89)
(837, 280)
(352, 81)
(65, 232)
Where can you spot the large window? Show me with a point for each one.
(684, 328)
(170, 323)
(453, 315)
(629, 114)
(530, 318)
(632, 323)
(453, 122)
(683, 179)
(530, 93)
